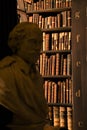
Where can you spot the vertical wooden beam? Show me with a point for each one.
(79, 67)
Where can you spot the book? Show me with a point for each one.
(63, 117)
(69, 118)
(20, 4)
(50, 115)
(56, 116)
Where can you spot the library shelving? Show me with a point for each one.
(55, 63)
(63, 58)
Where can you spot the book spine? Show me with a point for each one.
(56, 116)
(63, 119)
(69, 118)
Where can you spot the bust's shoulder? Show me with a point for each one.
(6, 62)
(5, 69)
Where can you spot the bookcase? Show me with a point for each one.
(63, 58)
(55, 62)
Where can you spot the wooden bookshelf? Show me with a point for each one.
(55, 61)
(57, 85)
(41, 11)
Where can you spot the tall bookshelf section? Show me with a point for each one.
(55, 63)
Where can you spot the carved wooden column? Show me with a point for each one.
(79, 57)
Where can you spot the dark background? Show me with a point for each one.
(8, 19)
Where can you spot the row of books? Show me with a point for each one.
(46, 4)
(59, 41)
(60, 116)
(55, 64)
(62, 19)
(58, 92)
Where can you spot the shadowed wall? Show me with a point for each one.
(8, 19)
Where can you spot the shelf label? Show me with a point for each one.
(78, 38)
(77, 14)
(78, 93)
(80, 123)
(78, 63)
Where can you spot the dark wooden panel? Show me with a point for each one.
(79, 47)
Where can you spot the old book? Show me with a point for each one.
(69, 118)
(63, 117)
(50, 115)
(57, 63)
(20, 4)
(56, 116)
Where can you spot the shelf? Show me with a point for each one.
(57, 76)
(60, 29)
(57, 51)
(52, 10)
(60, 104)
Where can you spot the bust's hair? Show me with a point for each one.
(20, 31)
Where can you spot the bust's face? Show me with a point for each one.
(30, 48)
